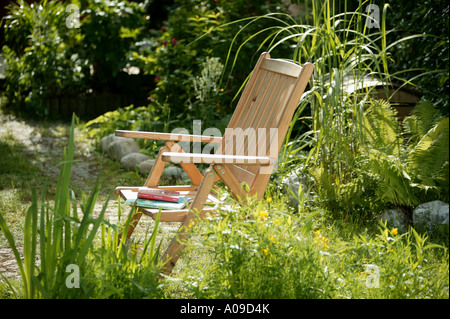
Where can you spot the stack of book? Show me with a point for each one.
(158, 198)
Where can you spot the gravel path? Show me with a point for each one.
(45, 143)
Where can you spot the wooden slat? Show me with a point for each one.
(281, 66)
(242, 174)
(168, 136)
(240, 108)
(216, 159)
(293, 100)
(231, 181)
(236, 144)
(263, 105)
(263, 121)
(274, 105)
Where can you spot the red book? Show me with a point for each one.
(159, 197)
(158, 194)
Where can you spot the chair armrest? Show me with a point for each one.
(217, 159)
(169, 136)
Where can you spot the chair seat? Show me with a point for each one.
(168, 215)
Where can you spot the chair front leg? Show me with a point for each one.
(178, 243)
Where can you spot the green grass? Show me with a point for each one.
(17, 171)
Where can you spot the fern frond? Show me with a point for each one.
(381, 129)
(393, 180)
(423, 117)
(430, 154)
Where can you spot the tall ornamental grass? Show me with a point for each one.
(351, 53)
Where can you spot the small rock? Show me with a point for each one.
(431, 217)
(396, 218)
(130, 161)
(174, 173)
(146, 166)
(120, 148)
(107, 140)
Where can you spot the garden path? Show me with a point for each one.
(44, 143)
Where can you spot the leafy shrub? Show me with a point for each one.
(108, 32)
(258, 251)
(47, 58)
(179, 57)
(428, 53)
(357, 155)
(152, 118)
(39, 57)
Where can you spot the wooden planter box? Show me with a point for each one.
(403, 99)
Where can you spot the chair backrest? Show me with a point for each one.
(262, 116)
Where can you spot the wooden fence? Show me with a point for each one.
(89, 107)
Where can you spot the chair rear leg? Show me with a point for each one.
(178, 243)
(157, 169)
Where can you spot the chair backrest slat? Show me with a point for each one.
(267, 105)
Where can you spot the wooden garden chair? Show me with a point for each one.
(247, 153)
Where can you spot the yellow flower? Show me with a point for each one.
(317, 232)
(404, 287)
(263, 215)
(390, 251)
(269, 199)
(394, 231)
(191, 224)
(265, 251)
(272, 238)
